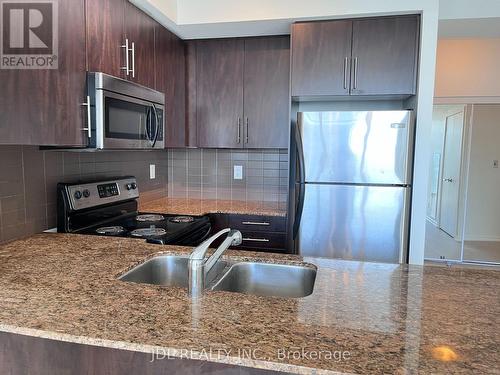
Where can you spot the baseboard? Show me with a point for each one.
(483, 239)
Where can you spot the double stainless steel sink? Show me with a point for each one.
(263, 279)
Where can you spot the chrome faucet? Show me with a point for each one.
(199, 267)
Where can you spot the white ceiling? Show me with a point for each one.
(193, 19)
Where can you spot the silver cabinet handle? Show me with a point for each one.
(133, 59)
(246, 132)
(127, 66)
(447, 179)
(239, 130)
(254, 223)
(89, 125)
(346, 61)
(256, 239)
(355, 74)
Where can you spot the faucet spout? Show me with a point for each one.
(199, 266)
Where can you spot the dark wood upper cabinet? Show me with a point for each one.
(105, 36)
(266, 93)
(219, 92)
(140, 31)
(171, 80)
(191, 126)
(241, 92)
(360, 57)
(111, 25)
(43, 106)
(321, 54)
(384, 53)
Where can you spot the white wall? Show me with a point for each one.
(483, 203)
(461, 9)
(467, 71)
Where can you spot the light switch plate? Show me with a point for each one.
(152, 171)
(495, 163)
(238, 172)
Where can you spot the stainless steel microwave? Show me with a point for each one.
(123, 114)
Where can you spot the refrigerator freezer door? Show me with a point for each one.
(356, 147)
(365, 223)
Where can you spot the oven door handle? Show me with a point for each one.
(157, 125)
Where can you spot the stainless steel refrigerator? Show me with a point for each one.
(353, 184)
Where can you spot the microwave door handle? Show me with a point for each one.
(148, 124)
(157, 125)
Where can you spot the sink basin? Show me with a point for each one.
(167, 270)
(266, 279)
(261, 279)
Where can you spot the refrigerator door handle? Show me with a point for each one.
(301, 181)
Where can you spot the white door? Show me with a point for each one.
(450, 183)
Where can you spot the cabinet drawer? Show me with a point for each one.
(262, 240)
(257, 223)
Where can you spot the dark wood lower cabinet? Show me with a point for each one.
(260, 233)
(258, 223)
(22, 355)
(263, 241)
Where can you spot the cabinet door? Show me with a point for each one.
(320, 58)
(140, 30)
(43, 106)
(170, 79)
(219, 94)
(105, 37)
(384, 54)
(191, 129)
(267, 92)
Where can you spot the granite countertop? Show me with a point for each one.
(381, 318)
(182, 206)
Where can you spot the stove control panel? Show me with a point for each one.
(108, 190)
(99, 193)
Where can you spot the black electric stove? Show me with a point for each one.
(109, 208)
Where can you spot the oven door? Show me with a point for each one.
(124, 122)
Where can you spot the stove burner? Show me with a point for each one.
(149, 217)
(182, 219)
(110, 231)
(148, 232)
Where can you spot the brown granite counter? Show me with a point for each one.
(381, 318)
(181, 206)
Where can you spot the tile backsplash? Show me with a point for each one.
(208, 174)
(28, 179)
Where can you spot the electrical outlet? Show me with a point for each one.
(152, 171)
(238, 172)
